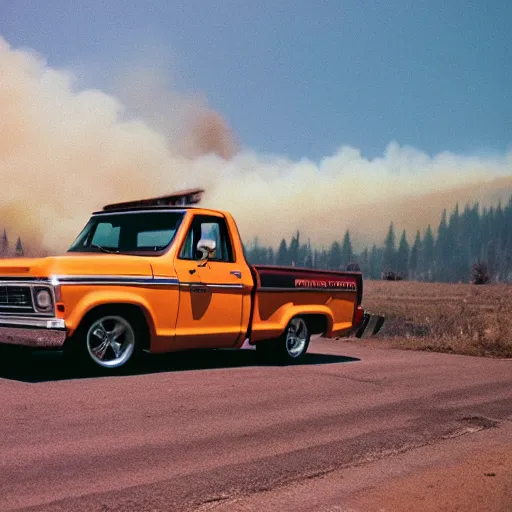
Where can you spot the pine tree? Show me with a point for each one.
(322, 259)
(375, 267)
(492, 258)
(402, 256)
(19, 248)
(428, 254)
(441, 245)
(271, 256)
(389, 250)
(335, 256)
(414, 257)
(303, 252)
(506, 259)
(365, 262)
(347, 254)
(308, 262)
(293, 251)
(316, 258)
(474, 227)
(458, 249)
(282, 253)
(4, 248)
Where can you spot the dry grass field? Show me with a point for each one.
(457, 318)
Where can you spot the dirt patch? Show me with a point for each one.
(480, 483)
(457, 318)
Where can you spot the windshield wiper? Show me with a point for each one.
(104, 249)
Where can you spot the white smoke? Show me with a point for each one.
(65, 152)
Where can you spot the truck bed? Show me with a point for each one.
(329, 300)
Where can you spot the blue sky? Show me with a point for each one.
(302, 78)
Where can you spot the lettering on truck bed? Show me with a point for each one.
(315, 283)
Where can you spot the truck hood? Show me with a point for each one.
(76, 265)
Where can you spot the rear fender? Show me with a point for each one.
(304, 311)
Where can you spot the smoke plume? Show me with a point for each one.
(65, 152)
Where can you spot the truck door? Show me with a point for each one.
(211, 302)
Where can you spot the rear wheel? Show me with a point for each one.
(290, 347)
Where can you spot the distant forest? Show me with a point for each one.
(475, 236)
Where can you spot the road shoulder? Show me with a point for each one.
(472, 472)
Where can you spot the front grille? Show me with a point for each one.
(16, 299)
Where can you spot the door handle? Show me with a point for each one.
(236, 273)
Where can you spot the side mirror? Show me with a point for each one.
(206, 247)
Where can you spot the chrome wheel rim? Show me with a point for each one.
(296, 337)
(110, 341)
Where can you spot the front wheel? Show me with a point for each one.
(107, 341)
(290, 347)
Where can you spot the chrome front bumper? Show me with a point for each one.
(32, 332)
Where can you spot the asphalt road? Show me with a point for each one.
(196, 430)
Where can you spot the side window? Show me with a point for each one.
(211, 228)
(187, 250)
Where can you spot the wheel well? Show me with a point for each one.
(317, 324)
(132, 312)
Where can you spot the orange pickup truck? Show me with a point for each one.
(161, 275)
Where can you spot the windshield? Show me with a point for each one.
(132, 233)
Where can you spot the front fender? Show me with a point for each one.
(96, 298)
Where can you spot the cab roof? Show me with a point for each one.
(134, 209)
(144, 209)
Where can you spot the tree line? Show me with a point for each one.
(462, 239)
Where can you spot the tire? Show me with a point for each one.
(5, 356)
(290, 347)
(108, 340)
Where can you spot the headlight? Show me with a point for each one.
(43, 300)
